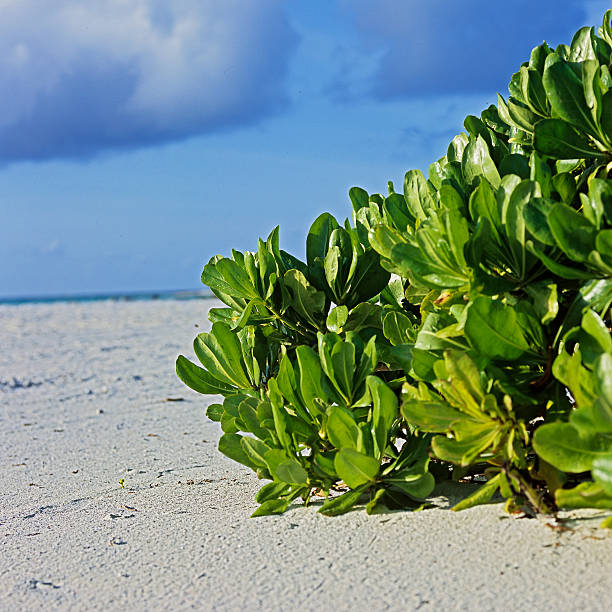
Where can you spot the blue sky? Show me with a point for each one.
(139, 138)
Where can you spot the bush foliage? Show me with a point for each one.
(458, 329)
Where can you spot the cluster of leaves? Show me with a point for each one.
(458, 329)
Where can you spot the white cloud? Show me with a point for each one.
(78, 77)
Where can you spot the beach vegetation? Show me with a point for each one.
(458, 328)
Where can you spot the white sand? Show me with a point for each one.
(82, 405)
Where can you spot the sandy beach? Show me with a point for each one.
(114, 497)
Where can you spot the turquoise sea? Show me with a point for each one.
(187, 294)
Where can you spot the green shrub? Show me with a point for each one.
(460, 328)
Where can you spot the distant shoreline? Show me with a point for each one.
(137, 296)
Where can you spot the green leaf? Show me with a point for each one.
(493, 121)
(355, 468)
(363, 315)
(602, 472)
(313, 386)
(428, 263)
(365, 444)
(484, 202)
(456, 148)
(562, 446)
(249, 261)
(324, 461)
(417, 485)
(533, 90)
(229, 423)
(374, 506)
(271, 506)
(248, 415)
(538, 57)
(368, 279)
(558, 268)
(574, 235)
(236, 281)
(285, 468)
(605, 119)
(477, 162)
(585, 495)
(230, 445)
(565, 185)
(595, 326)
(398, 328)
(476, 127)
(560, 140)
(545, 300)
(493, 330)
(397, 213)
(291, 472)
(289, 262)
(359, 198)
(272, 490)
(229, 282)
(229, 316)
(435, 417)
(450, 198)
(199, 379)
(268, 268)
(255, 450)
(343, 368)
(436, 334)
(594, 416)
(332, 266)
(566, 96)
(214, 412)
(220, 352)
(514, 164)
(325, 344)
(572, 374)
(603, 244)
(288, 387)
(513, 201)
(465, 451)
(417, 195)
(239, 323)
(581, 48)
(367, 362)
(600, 190)
(464, 374)
(521, 115)
(337, 318)
(482, 496)
(384, 412)
(384, 239)
(279, 414)
(592, 87)
(343, 503)
(307, 301)
(231, 404)
(342, 429)
(317, 241)
(535, 215)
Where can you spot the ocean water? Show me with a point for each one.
(188, 294)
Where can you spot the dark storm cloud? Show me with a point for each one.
(81, 78)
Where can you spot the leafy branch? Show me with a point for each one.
(459, 327)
